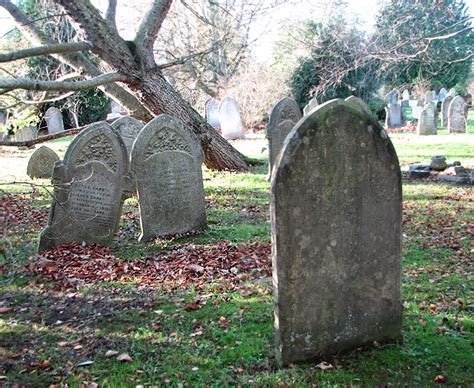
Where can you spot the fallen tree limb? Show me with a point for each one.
(42, 139)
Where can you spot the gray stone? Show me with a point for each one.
(427, 121)
(456, 117)
(438, 163)
(406, 95)
(166, 162)
(54, 120)
(128, 128)
(358, 102)
(3, 135)
(212, 113)
(445, 110)
(418, 174)
(313, 103)
(116, 111)
(442, 94)
(428, 97)
(25, 133)
(87, 189)
(41, 163)
(454, 179)
(419, 166)
(457, 170)
(336, 228)
(392, 97)
(230, 120)
(393, 115)
(285, 114)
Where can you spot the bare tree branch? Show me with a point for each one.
(42, 139)
(47, 49)
(43, 100)
(110, 15)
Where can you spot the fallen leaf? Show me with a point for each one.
(63, 344)
(440, 379)
(192, 307)
(324, 366)
(124, 357)
(111, 353)
(85, 363)
(6, 310)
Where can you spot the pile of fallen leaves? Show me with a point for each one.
(18, 212)
(72, 265)
(408, 128)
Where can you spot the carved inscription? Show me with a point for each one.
(98, 148)
(166, 140)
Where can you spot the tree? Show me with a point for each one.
(127, 72)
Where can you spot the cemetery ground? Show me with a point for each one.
(198, 309)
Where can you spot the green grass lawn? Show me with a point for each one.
(220, 331)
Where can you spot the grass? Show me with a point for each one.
(229, 339)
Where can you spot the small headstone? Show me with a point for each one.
(456, 117)
(230, 120)
(25, 133)
(393, 115)
(438, 163)
(166, 162)
(445, 110)
(358, 102)
(54, 120)
(336, 228)
(88, 187)
(405, 99)
(442, 94)
(128, 128)
(285, 114)
(426, 121)
(41, 163)
(313, 103)
(212, 113)
(115, 111)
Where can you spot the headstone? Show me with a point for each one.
(41, 163)
(54, 120)
(313, 103)
(128, 128)
(359, 103)
(426, 121)
(442, 94)
(452, 92)
(445, 109)
(467, 103)
(230, 120)
(336, 227)
(405, 99)
(456, 117)
(392, 97)
(116, 111)
(87, 189)
(212, 113)
(3, 135)
(428, 97)
(25, 133)
(166, 162)
(285, 114)
(393, 115)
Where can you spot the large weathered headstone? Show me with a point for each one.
(212, 113)
(128, 128)
(336, 227)
(313, 103)
(166, 162)
(456, 117)
(88, 189)
(427, 121)
(54, 120)
(41, 163)
(359, 103)
(393, 115)
(445, 109)
(230, 120)
(285, 114)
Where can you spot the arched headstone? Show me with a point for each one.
(393, 115)
(41, 163)
(212, 113)
(54, 120)
(230, 120)
(442, 94)
(166, 162)
(427, 121)
(88, 187)
(456, 117)
(359, 103)
(313, 103)
(336, 210)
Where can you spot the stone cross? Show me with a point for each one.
(166, 162)
(427, 121)
(41, 163)
(336, 210)
(456, 117)
(88, 187)
(230, 120)
(54, 120)
(313, 103)
(212, 113)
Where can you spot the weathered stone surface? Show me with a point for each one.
(41, 163)
(438, 163)
(285, 114)
(25, 133)
(128, 128)
(88, 189)
(230, 120)
(393, 115)
(445, 110)
(115, 111)
(212, 113)
(336, 224)
(358, 102)
(456, 117)
(166, 162)
(54, 120)
(426, 121)
(313, 103)
(454, 179)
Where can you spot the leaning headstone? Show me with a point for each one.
(426, 122)
(41, 163)
(285, 114)
(336, 227)
(456, 117)
(166, 162)
(445, 110)
(393, 115)
(230, 120)
(442, 94)
(359, 103)
(313, 103)
(54, 120)
(87, 189)
(128, 128)
(212, 113)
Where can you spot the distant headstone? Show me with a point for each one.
(467, 103)
(285, 114)
(166, 162)
(212, 113)
(359, 103)
(25, 133)
(115, 111)
(393, 115)
(2, 135)
(456, 117)
(426, 121)
(336, 227)
(452, 92)
(313, 103)
(442, 94)
(87, 189)
(41, 163)
(405, 99)
(428, 97)
(128, 128)
(54, 120)
(230, 120)
(392, 97)
(445, 109)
